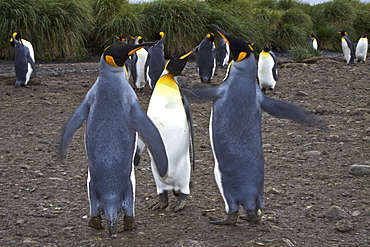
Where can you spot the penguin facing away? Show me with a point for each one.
(361, 48)
(156, 59)
(347, 48)
(223, 53)
(267, 69)
(139, 65)
(313, 41)
(169, 110)
(235, 131)
(113, 118)
(206, 58)
(24, 59)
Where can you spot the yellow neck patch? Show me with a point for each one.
(166, 85)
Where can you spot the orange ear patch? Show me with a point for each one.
(110, 60)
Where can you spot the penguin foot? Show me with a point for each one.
(231, 219)
(129, 223)
(180, 202)
(162, 203)
(95, 222)
(253, 216)
(112, 229)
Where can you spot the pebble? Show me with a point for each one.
(337, 213)
(359, 170)
(302, 93)
(298, 138)
(191, 243)
(313, 153)
(282, 242)
(367, 211)
(343, 226)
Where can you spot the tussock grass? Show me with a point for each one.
(299, 53)
(57, 29)
(67, 29)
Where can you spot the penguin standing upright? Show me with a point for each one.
(235, 131)
(313, 41)
(347, 48)
(113, 118)
(267, 69)
(24, 59)
(169, 110)
(206, 58)
(361, 48)
(156, 59)
(223, 53)
(139, 65)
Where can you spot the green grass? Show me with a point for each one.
(300, 53)
(67, 29)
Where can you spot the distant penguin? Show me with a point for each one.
(139, 66)
(267, 69)
(127, 66)
(113, 118)
(223, 53)
(235, 131)
(347, 48)
(206, 58)
(24, 59)
(169, 110)
(313, 41)
(361, 48)
(156, 59)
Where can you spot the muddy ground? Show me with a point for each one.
(43, 202)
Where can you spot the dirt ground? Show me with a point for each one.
(43, 202)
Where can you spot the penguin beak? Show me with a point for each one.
(139, 46)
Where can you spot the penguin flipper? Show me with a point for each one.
(282, 109)
(190, 123)
(73, 124)
(206, 93)
(274, 69)
(153, 139)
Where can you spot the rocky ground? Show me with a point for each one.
(312, 198)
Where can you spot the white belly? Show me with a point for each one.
(265, 76)
(346, 50)
(167, 113)
(361, 49)
(142, 55)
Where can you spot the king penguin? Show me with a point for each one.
(156, 59)
(24, 59)
(113, 118)
(347, 48)
(206, 58)
(223, 53)
(361, 48)
(235, 131)
(139, 66)
(267, 69)
(169, 110)
(313, 41)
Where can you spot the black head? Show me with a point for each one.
(116, 54)
(158, 36)
(266, 48)
(239, 49)
(363, 35)
(210, 37)
(177, 63)
(122, 39)
(343, 33)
